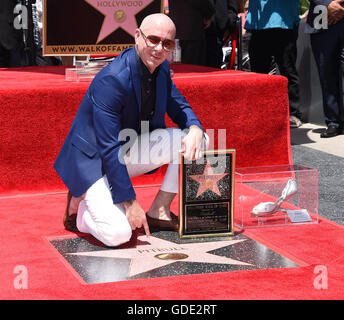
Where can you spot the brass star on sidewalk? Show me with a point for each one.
(208, 180)
(155, 253)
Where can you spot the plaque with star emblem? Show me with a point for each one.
(206, 190)
(93, 27)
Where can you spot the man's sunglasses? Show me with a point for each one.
(153, 41)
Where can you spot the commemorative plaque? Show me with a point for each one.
(93, 27)
(206, 191)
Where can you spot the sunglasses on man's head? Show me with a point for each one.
(153, 41)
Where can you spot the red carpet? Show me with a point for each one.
(37, 108)
(27, 222)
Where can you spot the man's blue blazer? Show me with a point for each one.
(113, 103)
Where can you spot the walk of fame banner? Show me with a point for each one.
(206, 191)
(93, 27)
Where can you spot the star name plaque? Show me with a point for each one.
(206, 191)
(93, 27)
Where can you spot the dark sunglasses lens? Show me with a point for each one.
(168, 45)
(153, 40)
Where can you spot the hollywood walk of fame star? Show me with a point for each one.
(145, 256)
(208, 180)
(118, 14)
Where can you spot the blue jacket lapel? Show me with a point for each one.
(135, 75)
(160, 89)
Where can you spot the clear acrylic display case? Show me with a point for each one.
(282, 195)
(84, 69)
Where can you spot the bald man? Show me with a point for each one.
(119, 132)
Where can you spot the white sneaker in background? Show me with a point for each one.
(295, 122)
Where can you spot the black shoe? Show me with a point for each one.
(69, 221)
(163, 225)
(331, 131)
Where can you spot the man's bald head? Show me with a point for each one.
(158, 21)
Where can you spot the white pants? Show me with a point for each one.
(106, 221)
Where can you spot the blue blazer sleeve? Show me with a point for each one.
(107, 96)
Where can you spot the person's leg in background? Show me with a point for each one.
(4, 57)
(341, 76)
(214, 56)
(193, 52)
(285, 56)
(260, 51)
(326, 51)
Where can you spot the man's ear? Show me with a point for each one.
(137, 34)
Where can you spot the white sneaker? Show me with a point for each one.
(295, 122)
